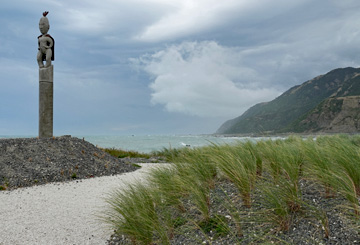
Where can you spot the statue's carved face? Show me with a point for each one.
(44, 26)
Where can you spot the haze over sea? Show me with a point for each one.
(149, 143)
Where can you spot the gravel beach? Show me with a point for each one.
(55, 188)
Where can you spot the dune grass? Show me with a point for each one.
(133, 213)
(239, 165)
(334, 162)
(183, 197)
(197, 175)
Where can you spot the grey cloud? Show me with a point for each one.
(247, 45)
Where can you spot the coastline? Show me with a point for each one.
(283, 135)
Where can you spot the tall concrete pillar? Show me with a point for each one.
(46, 101)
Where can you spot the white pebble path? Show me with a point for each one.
(61, 213)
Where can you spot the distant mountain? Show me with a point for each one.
(327, 103)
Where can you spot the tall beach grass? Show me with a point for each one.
(182, 196)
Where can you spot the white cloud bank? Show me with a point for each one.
(204, 79)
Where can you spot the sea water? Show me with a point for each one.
(149, 143)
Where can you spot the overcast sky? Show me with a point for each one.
(166, 66)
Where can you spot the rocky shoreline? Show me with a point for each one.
(31, 161)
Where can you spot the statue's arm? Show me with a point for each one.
(51, 42)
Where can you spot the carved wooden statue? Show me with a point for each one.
(46, 43)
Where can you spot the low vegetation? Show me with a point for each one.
(119, 153)
(248, 192)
